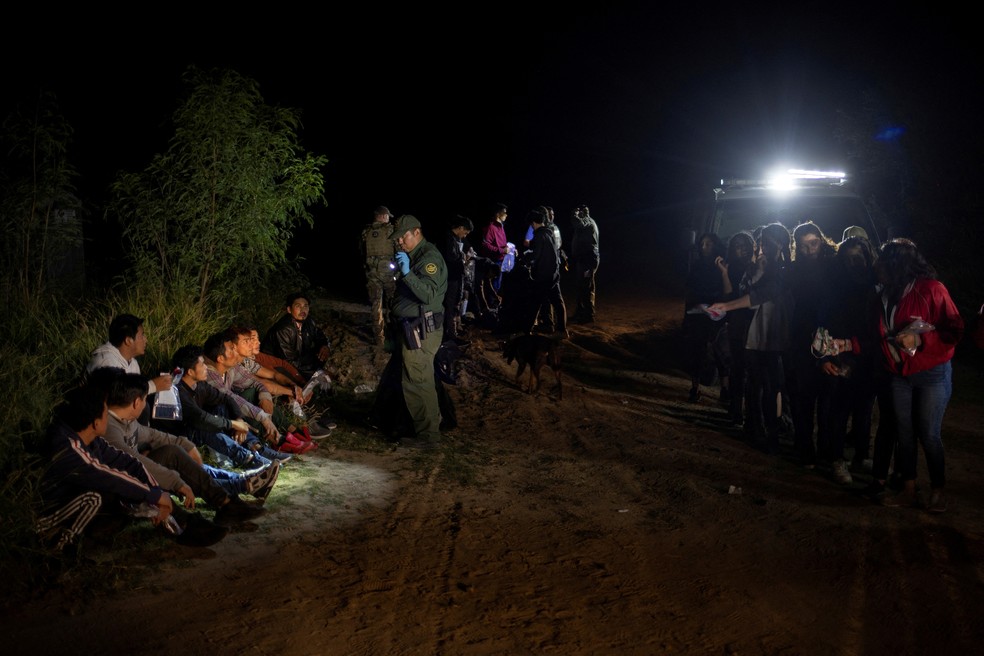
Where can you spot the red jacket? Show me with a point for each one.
(929, 300)
(494, 241)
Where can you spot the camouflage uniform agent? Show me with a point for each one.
(378, 250)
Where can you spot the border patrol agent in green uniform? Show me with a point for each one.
(418, 323)
(378, 251)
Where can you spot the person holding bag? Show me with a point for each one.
(919, 326)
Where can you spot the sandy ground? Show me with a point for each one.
(599, 524)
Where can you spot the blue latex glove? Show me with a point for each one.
(403, 262)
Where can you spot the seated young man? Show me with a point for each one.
(221, 360)
(222, 365)
(172, 459)
(211, 418)
(274, 385)
(297, 339)
(127, 340)
(85, 473)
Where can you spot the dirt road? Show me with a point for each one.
(620, 520)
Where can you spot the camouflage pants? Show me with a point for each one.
(380, 291)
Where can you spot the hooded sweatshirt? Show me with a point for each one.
(108, 355)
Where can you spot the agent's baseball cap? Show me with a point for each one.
(403, 224)
(382, 209)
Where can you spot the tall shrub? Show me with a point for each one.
(37, 199)
(215, 212)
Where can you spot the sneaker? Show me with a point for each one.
(841, 473)
(302, 445)
(279, 454)
(292, 448)
(937, 503)
(255, 462)
(199, 532)
(256, 467)
(323, 423)
(316, 431)
(261, 484)
(238, 511)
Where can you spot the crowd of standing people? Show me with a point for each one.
(493, 282)
(807, 336)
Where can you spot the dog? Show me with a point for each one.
(534, 351)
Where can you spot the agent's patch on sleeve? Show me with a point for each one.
(430, 268)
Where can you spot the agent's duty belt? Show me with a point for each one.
(415, 329)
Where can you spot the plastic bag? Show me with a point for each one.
(167, 403)
(704, 308)
(823, 344)
(509, 259)
(916, 327)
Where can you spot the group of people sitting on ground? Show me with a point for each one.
(799, 327)
(236, 412)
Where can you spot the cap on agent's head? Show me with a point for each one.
(382, 209)
(403, 224)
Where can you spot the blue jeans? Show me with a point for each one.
(229, 452)
(232, 482)
(919, 402)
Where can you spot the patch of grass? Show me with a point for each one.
(460, 461)
(358, 441)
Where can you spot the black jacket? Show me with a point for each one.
(300, 348)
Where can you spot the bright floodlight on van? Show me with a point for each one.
(792, 178)
(803, 174)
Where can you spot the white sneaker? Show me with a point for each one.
(841, 473)
(261, 484)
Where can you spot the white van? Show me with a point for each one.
(824, 197)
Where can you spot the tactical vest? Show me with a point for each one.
(376, 237)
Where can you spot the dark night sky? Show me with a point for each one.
(628, 107)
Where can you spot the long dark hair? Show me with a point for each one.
(778, 234)
(827, 247)
(740, 236)
(719, 249)
(899, 263)
(857, 242)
